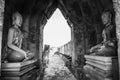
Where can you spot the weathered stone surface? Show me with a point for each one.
(1, 26)
(99, 67)
(26, 31)
(57, 70)
(67, 49)
(97, 74)
(116, 4)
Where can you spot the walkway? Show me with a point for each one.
(57, 70)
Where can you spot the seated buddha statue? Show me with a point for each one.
(108, 47)
(13, 50)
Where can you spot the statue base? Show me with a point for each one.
(18, 71)
(100, 67)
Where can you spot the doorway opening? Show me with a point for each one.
(56, 32)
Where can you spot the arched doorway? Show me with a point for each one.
(56, 32)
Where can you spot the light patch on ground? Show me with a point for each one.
(57, 70)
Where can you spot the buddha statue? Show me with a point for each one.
(13, 50)
(108, 47)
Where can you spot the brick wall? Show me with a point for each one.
(116, 4)
(1, 25)
(67, 49)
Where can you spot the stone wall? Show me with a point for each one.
(67, 48)
(116, 4)
(1, 25)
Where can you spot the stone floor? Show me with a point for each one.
(56, 69)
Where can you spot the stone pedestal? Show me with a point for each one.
(19, 71)
(99, 67)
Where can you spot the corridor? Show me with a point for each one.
(56, 69)
(90, 42)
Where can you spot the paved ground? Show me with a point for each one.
(57, 70)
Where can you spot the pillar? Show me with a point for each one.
(26, 19)
(73, 44)
(1, 26)
(116, 4)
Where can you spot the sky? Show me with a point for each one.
(56, 32)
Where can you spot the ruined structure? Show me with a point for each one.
(83, 17)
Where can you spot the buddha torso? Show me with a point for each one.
(17, 37)
(108, 46)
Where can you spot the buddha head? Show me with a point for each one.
(17, 19)
(106, 17)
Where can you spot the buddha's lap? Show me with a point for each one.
(15, 56)
(107, 51)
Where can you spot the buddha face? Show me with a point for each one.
(17, 19)
(106, 18)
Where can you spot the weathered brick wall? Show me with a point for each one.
(67, 49)
(31, 31)
(1, 25)
(116, 4)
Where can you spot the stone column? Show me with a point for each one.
(26, 19)
(72, 41)
(42, 22)
(79, 44)
(32, 34)
(41, 41)
(1, 26)
(116, 4)
(73, 44)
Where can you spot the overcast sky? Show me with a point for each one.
(56, 31)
